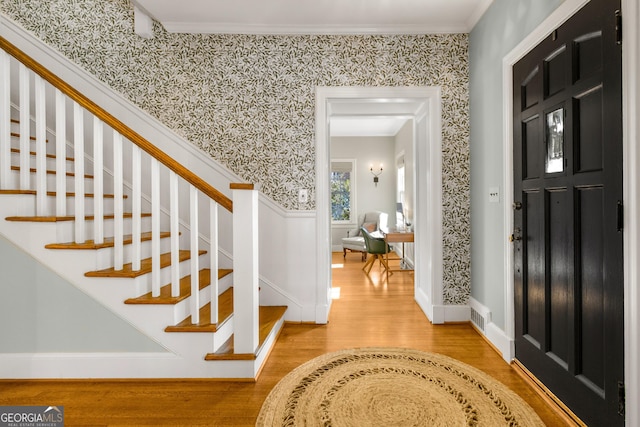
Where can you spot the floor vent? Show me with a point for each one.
(477, 319)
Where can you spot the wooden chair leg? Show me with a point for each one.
(383, 262)
(369, 264)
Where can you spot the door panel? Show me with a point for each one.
(559, 259)
(588, 116)
(568, 180)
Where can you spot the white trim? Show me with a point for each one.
(505, 345)
(631, 177)
(428, 190)
(493, 333)
(225, 28)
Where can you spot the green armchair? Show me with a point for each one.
(377, 247)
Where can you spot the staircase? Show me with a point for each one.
(131, 227)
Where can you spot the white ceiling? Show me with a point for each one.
(371, 117)
(366, 126)
(315, 16)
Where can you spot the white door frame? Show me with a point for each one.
(427, 185)
(631, 180)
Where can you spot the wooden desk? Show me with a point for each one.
(397, 236)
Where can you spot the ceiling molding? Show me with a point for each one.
(477, 14)
(265, 29)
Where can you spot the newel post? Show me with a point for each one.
(245, 268)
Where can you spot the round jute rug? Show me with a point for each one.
(392, 387)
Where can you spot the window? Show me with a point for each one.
(400, 202)
(342, 190)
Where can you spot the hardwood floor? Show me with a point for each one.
(368, 312)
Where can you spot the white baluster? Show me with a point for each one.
(61, 154)
(195, 283)
(118, 208)
(5, 120)
(41, 146)
(213, 256)
(25, 128)
(175, 234)
(155, 228)
(78, 154)
(136, 207)
(98, 181)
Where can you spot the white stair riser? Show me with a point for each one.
(142, 284)
(14, 182)
(51, 163)
(29, 208)
(107, 205)
(99, 259)
(66, 229)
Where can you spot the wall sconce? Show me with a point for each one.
(376, 174)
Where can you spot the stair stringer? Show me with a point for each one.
(185, 351)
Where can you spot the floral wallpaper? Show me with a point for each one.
(248, 100)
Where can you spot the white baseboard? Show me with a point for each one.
(439, 314)
(112, 365)
(501, 341)
(452, 313)
(481, 318)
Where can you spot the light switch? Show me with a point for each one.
(303, 195)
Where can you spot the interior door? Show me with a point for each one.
(567, 214)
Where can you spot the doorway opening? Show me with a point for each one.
(422, 105)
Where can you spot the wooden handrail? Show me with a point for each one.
(117, 125)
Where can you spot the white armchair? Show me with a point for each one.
(354, 242)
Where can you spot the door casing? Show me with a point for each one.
(428, 195)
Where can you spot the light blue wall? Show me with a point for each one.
(40, 313)
(503, 26)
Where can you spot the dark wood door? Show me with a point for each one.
(567, 213)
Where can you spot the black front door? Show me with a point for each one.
(567, 213)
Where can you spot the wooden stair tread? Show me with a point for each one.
(53, 193)
(50, 172)
(63, 218)
(108, 242)
(185, 289)
(145, 266)
(225, 309)
(269, 316)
